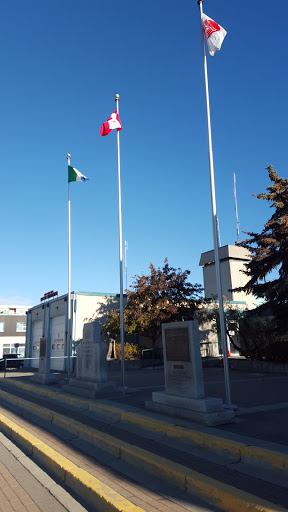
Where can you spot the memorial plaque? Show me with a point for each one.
(91, 355)
(182, 361)
(184, 395)
(42, 347)
(177, 344)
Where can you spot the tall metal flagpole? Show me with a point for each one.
(69, 280)
(126, 247)
(120, 256)
(214, 223)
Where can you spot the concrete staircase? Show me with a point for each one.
(105, 453)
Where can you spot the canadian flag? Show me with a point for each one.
(111, 123)
(214, 34)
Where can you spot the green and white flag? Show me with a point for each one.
(75, 175)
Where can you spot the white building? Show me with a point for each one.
(12, 329)
(50, 318)
(232, 264)
(233, 260)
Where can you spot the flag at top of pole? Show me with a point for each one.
(75, 175)
(112, 122)
(214, 34)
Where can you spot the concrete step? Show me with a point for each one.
(102, 482)
(165, 461)
(74, 390)
(249, 455)
(88, 389)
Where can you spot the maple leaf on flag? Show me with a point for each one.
(214, 34)
(112, 123)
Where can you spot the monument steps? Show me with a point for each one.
(210, 418)
(90, 390)
(190, 436)
(139, 444)
(138, 491)
(184, 395)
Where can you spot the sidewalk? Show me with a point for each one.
(29, 489)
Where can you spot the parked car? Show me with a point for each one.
(14, 361)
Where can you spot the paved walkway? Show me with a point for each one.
(24, 487)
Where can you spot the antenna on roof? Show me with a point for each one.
(236, 209)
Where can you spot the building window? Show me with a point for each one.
(21, 327)
(1, 326)
(13, 348)
(21, 350)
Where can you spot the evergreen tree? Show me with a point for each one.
(269, 251)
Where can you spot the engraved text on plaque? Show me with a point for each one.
(177, 344)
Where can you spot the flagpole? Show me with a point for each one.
(69, 279)
(214, 223)
(120, 256)
(126, 247)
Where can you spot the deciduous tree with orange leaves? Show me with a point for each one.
(163, 295)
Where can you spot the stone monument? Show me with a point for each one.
(43, 376)
(184, 395)
(91, 364)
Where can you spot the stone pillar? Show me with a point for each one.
(44, 376)
(184, 395)
(91, 364)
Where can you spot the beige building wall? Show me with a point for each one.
(233, 261)
(89, 306)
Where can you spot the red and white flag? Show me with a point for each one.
(214, 34)
(111, 123)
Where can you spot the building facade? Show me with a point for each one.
(50, 320)
(233, 261)
(12, 329)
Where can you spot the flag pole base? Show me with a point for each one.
(123, 389)
(231, 406)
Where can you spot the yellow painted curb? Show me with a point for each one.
(276, 460)
(104, 496)
(247, 453)
(229, 498)
(212, 491)
(204, 440)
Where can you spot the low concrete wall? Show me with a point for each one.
(135, 364)
(250, 365)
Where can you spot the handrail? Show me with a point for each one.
(5, 359)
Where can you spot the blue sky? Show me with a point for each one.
(61, 64)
